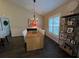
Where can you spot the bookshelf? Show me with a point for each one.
(69, 34)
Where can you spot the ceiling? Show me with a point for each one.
(41, 6)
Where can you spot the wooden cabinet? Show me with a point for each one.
(34, 40)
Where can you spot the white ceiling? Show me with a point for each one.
(42, 6)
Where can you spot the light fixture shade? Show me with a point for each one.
(34, 1)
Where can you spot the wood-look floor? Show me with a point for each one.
(15, 49)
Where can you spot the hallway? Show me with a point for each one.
(15, 49)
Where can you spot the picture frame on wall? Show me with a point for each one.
(69, 40)
(70, 22)
(63, 21)
(69, 37)
(73, 19)
(72, 42)
(62, 36)
(69, 30)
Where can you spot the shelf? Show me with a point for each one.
(69, 44)
(70, 29)
(66, 50)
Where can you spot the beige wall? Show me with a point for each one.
(17, 15)
(65, 9)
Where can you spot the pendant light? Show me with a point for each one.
(34, 21)
(34, 9)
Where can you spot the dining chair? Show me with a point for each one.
(24, 33)
(2, 37)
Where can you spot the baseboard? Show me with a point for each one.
(52, 37)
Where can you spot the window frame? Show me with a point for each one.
(52, 18)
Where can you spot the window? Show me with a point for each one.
(54, 25)
(50, 25)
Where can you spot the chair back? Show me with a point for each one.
(24, 33)
(4, 27)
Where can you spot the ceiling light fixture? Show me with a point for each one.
(33, 22)
(34, 9)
